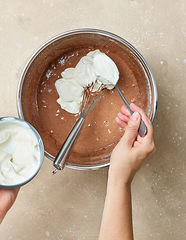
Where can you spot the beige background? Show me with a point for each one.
(69, 205)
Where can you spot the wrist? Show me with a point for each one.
(116, 180)
(120, 175)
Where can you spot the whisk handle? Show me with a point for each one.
(142, 128)
(66, 148)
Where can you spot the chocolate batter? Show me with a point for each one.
(100, 133)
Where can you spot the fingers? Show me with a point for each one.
(122, 120)
(148, 140)
(144, 118)
(125, 111)
(131, 131)
(121, 123)
(123, 117)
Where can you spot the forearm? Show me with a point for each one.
(7, 198)
(126, 158)
(117, 215)
(2, 215)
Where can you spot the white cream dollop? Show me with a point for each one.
(19, 152)
(94, 68)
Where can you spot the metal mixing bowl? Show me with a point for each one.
(56, 47)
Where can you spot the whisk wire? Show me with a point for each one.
(88, 105)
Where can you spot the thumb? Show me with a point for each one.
(131, 131)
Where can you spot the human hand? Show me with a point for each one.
(7, 198)
(132, 150)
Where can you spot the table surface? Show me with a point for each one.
(69, 205)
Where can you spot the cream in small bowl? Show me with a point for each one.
(21, 152)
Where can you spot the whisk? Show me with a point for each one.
(87, 106)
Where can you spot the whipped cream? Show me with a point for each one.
(95, 68)
(19, 152)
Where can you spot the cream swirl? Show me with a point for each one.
(94, 68)
(19, 152)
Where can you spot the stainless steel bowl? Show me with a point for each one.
(57, 46)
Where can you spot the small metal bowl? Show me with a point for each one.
(20, 122)
(57, 46)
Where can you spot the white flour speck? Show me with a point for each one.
(48, 73)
